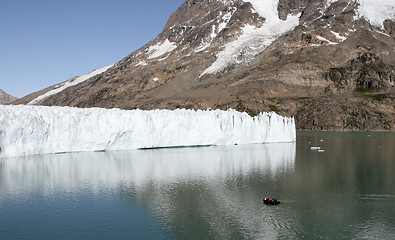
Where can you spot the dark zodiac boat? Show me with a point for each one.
(270, 201)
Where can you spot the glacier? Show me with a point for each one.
(253, 40)
(376, 12)
(29, 130)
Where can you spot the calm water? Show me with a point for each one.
(345, 190)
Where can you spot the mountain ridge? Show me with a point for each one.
(6, 98)
(229, 54)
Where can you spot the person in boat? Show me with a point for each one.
(271, 200)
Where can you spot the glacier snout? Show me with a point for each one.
(29, 130)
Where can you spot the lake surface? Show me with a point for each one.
(344, 190)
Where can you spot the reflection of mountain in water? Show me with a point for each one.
(143, 167)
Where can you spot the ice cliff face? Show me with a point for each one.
(28, 130)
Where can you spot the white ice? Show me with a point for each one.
(254, 40)
(377, 11)
(338, 36)
(161, 49)
(374, 11)
(325, 40)
(28, 130)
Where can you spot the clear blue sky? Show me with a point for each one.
(44, 42)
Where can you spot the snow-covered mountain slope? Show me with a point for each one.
(253, 39)
(72, 82)
(27, 130)
(260, 55)
(376, 11)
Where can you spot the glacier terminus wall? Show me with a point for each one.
(28, 130)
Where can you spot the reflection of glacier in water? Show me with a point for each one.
(73, 171)
(211, 186)
(214, 187)
(207, 193)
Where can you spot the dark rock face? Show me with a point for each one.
(389, 26)
(367, 72)
(6, 98)
(333, 71)
(286, 7)
(341, 113)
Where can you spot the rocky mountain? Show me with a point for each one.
(330, 63)
(5, 97)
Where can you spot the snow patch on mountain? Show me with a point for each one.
(225, 20)
(329, 2)
(338, 36)
(204, 45)
(160, 49)
(69, 83)
(325, 40)
(214, 30)
(265, 8)
(141, 63)
(376, 11)
(254, 40)
(29, 130)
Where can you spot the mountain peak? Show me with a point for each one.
(260, 55)
(6, 98)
